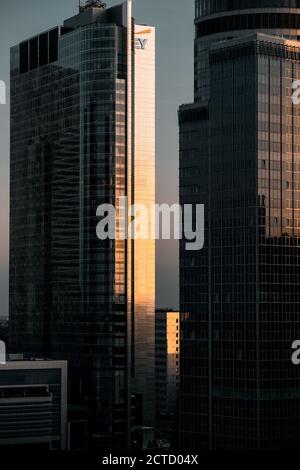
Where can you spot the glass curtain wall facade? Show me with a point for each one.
(240, 294)
(72, 296)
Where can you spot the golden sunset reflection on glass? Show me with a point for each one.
(144, 193)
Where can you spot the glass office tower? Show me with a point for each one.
(82, 134)
(240, 296)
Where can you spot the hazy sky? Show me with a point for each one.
(174, 22)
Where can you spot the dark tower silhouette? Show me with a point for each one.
(240, 297)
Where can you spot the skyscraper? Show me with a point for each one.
(167, 354)
(239, 155)
(83, 134)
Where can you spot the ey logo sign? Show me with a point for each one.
(140, 42)
(2, 92)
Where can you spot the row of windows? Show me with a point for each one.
(248, 21)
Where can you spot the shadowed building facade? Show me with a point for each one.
(33, 405)
(239, 155)
(82, 134)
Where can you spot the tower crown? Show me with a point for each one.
(209, 7)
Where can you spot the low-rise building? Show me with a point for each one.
(33, 404)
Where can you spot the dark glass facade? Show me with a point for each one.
(239, 295)
(212, 7)
(70, 293)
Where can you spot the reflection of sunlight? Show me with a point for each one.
(173, 332)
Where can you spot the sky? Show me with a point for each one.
(175, 30)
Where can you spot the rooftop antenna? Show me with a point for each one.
(91, 4)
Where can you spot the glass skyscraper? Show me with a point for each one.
(240, 296)
(83, 134)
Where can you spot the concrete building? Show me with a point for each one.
(33, 405)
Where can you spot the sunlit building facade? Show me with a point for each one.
(82, 135)
(167, 357)
(239, 155)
